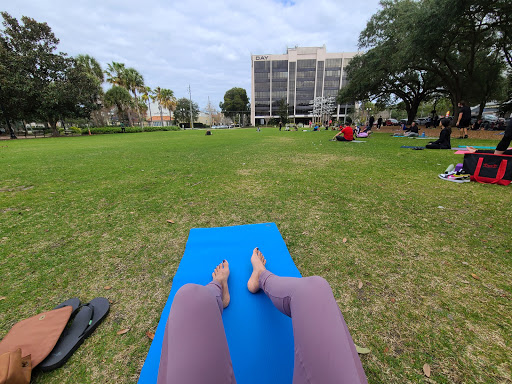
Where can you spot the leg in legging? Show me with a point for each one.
(505, 142)
(195, 349)
(324, 350)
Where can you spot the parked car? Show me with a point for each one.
(489, 118)
(392, 122)
(422, 120)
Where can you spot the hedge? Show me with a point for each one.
(108, 130)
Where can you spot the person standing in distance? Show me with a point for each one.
(464, 119)
(370, 123)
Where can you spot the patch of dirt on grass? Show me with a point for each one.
(247, 172)
(323, 160)
(16, 189)
(251, 188)
(282, 139)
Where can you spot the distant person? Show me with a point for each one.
(365, 132)
(346, 134)
(464, 119)
(280, 125)
(412, 131)
(435, 122)
(208, 132)
(403, 126)
(370, 123)
(379, 122)
(444, 137)
(477, 126)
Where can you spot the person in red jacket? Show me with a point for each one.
(346, 134)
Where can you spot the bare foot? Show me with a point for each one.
(471, 149)
(221, 274)
(258, 265)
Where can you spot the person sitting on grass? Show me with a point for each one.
(477, 126)
(364, 132)
(195, 348)
(208, 132)
(444, 137)
(412, 131)
(346, 134)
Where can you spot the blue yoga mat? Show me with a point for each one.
(476, 146)
(260, 338)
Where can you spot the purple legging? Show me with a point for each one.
(195, 348)
(195, 345)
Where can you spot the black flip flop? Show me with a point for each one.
(73, 303)
(86, 321)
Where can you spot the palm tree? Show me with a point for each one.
(120, 98)
(142, 106)
(134, 82)
(168, 101)
(165, 99)
(92, 69)
(157, 96)
(91, 66)
(147, 95)
(115, 74)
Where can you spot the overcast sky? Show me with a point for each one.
(204, 43)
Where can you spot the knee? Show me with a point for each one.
(192, 293)
(318, 284)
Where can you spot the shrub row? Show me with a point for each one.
(107, 130)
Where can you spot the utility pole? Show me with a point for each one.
(209, 110)
(191, 116)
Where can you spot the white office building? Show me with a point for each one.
(298, 77)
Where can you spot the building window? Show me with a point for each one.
(333, 63)
(280, 66)
(319, 78)
(305, 84)
(261, 77)
(306, 75)
(262, 66)
(310, 64)
(333, 73)
(279, 75)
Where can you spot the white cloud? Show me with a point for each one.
(206, 44)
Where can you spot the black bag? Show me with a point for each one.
(489, 168)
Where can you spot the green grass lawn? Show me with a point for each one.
(84, 213)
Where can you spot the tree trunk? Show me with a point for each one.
(7, 121)
(161, 115)
(150, 118)
(412, 111)
(130, 120)
(481, 109)
(53, 124)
